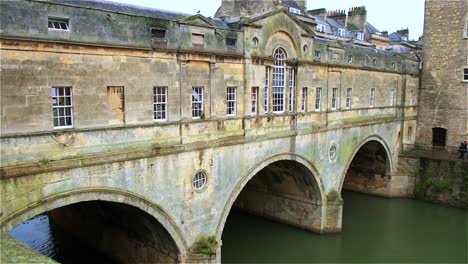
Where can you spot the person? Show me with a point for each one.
(465, 152)
(462, 150)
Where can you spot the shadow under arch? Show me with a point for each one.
(388, 157)
(94, 195)
(318, 185)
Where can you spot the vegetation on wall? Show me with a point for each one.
(442, 181)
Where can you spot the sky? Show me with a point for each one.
(390, 15)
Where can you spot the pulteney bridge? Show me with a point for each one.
(291, 176)
(142, 144)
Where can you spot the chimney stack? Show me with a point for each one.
(358, 17)
(339, 15)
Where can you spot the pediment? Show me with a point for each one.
(198, 20)
(268, 18)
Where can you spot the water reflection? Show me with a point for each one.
(375, 230)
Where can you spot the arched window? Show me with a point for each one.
(279, 81)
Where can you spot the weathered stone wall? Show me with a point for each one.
(443, 93)
(442, 181)
(237, 8)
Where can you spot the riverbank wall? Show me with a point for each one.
(442, 181)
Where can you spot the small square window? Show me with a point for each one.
(231, 42)
(465, 75)
(59, 24)
(318, 54)
(158, 34)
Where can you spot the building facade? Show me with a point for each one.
(184, 117)
(443, 112)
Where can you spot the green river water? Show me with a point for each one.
(375, 230)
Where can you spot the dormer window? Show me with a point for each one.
(360, 36)
(60, 24)
(341, 32)
(295, 10)
(321, 28)
(231, 42)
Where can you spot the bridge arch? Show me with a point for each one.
(98, 195)
(256, 169)
(376, 142)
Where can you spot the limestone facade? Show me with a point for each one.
(126, 105)
(444, 82)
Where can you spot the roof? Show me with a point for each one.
(372, 29)
(399, 49)
(335, 23)
(395, 37)
(122, 8)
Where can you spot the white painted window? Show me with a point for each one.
(62, 106)
(58, 24)
(304, 99)
(279, 81)
(341, 32)
(295, 10)
(318, 99)
(349, 97)
(291, 90)
(465, 74)
(197, 102)
(392, 97)
(372, 98)
(231, 101)
(334, 102)
(266, 100)
(321, 27)
(254, 100)
(360, 36)
(411, 98)
(160, 103)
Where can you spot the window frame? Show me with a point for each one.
(318, 99)
(411, 98)
(254, 100)
(349, 98)
(279, 82)
(64, 107)
(372, 98)
(334, 99)
(304, 99)
(392, 97)
(59, 20)
(319, 53)
(231, 101)
(198, 90)
(165, 103)
(266, 96)
(292, 86)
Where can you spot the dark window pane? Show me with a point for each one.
(56, 122)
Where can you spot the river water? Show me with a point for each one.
(375, 230)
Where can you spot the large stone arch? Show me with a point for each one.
(373, 138)
(98, 194)
(282, 39)
(254, 171)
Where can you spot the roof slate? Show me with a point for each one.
(123, 8)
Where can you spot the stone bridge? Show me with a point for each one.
(139, 131)
(292, 176)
